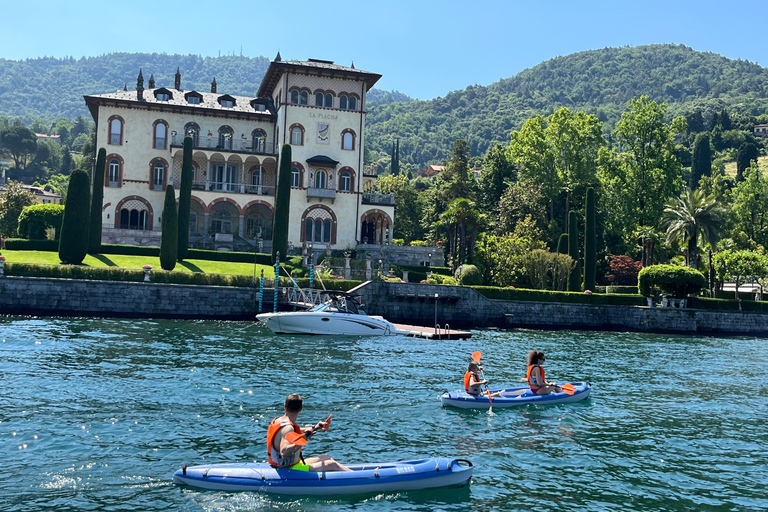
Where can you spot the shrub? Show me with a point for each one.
(624, 270)
(21, 244)
(441, 279)
(630, 290)
(35, 219)
(469, 275)
(522, 294)
(73, 244)
(673, 280)
(418, 243)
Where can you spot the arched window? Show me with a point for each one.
(225, 137)
(345, 181)
(352, 104)
(348, 139)
(319, 98)
(329, 100)
(295, 97)
(299, 97)
(259, 139)
(161, 135)
(347, 102)
(317, 230)
(256, 180)
(221, 222)
(116, 131)
(114, 173)
(158, 176)
(320, 179)
(133, 219)
(193, 131)
(343, 102)
(295, 177)
(297, 135)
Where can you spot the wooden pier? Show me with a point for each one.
(418, 331)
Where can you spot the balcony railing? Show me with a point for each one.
(237, 145)
(378, 198)
(232, 188)
(322, 193)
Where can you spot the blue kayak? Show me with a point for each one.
(364, 478)
(512, 397)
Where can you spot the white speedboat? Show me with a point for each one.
(340, 314)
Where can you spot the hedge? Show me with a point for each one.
(522, 294)
(22, 244)
(728, 304)
(676, 280)
(626, 290)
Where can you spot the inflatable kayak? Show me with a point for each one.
(364, 478)
(512, 397)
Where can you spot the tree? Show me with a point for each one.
(94, 237)
(701, 159)
(20, 142)
(282, 205)
(497, 174)
(73, 243)
(169, 239)
(462, 221)
(457, 180)
(185, 198)
(574, 281)
(691, 217)
(12, 203)
(746, 154)
(395, 164)
(738, 266)
(407, 206)
(520, 201)
(748, 216)
(590, 242)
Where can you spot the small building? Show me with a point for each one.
(42, 196)
(42, 137)
(761, 130)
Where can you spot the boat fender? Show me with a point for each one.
(183, 469)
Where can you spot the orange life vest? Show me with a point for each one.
(467, 379)
(531, 384)
(273, 454)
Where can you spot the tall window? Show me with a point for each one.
(193, 131)
(161, 131)
(114, 173)
(345, 182)
(317, 230)
(225, 138)
(299, 97)
(297, 136)
(116, 132)
(343, 102)
(259, 138)
(133, 219)
(348, 140)
(320, 179)
(347, 102)
(352, 103)
(224, 177)
(221, 222)
(254, 227)
(295, 177)
(324, 100)
(158, 176)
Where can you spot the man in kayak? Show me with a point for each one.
(285, 439)
(536, 379)
(473, 384)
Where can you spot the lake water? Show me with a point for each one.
(97, 414)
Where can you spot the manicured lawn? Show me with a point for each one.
(730, 167)
(120, 260)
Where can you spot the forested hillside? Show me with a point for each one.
(599, 82)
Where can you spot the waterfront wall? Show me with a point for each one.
(409, 303)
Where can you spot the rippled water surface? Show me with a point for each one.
(97, 414)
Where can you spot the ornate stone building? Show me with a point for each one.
(315, 106)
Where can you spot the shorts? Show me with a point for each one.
(300, 466)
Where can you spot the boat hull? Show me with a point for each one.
(312, 322)
(514, 397)
(364, 478)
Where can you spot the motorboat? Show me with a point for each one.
(363, 478)
(339, 314)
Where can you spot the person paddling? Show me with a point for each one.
(536, 378)
(285, 440)
(473, 384)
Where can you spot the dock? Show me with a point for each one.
(417, 331)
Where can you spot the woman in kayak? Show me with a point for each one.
(285, 439)
(536, 379)
(473, 384)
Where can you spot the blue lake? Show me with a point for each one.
(97, 414)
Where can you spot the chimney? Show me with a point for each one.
(140, 86)
(151, 81)
(177, 81)
(213, 85)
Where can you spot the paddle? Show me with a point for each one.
(301, 439)
(476, 358)
(568, 389)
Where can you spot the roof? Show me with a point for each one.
(209, 100)
(322, 160)
(312, 67)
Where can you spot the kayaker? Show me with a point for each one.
(473, 384)
(285, 439)
(536, 378)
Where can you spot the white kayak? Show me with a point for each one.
(364, 478)
(513, 397)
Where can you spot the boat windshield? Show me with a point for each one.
(339, 304)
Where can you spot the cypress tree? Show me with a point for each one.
(282, 205)
(185, 198)
(574, 282)
(562, 244)
(97, 201)
(397, 159)
(746, 153)
(169, 240)
(73, 244)
(590, 242)
(701, 159)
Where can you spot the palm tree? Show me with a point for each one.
(649, 238)
(691, 216)
(460, 218)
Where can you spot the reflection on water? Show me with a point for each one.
(97, 414)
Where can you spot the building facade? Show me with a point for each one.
(315, 106)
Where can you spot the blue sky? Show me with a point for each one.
(423, 48)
